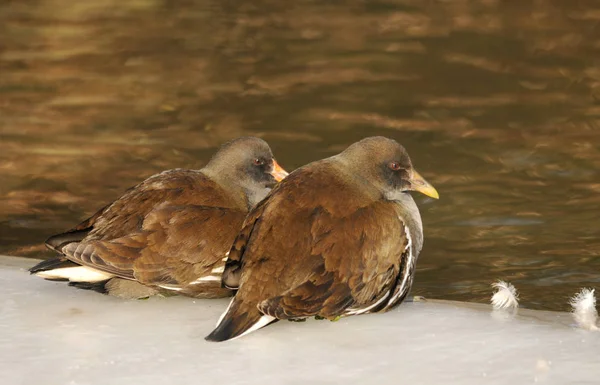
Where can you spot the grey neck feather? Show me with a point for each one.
(255, 195)
(409, 212)
(245, 191)
(237, 189)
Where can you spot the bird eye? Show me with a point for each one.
(394, 166)
(258, 162)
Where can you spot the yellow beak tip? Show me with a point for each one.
(421, 185)
(430, 191)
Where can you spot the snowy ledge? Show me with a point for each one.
(54, 334)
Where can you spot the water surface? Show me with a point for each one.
(498, 104)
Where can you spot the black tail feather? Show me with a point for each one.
(51, 264)
(99, 287)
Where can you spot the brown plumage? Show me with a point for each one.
(172, 231)
(337, 237)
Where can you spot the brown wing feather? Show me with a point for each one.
(323, 246)
(179, 187)
(125, 215)
(233, 266)
(320, 294)
(168, 249)
(170, 229)
(180, 244)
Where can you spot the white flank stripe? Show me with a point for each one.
(208, 278)
(75, 274)
(357, 311)
(218, 270)
(174, 288)
(407, 273)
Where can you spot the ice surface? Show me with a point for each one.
(54, 334)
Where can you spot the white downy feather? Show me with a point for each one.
(584, 309)
(505, 297)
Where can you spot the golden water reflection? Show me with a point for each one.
(497, 102)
